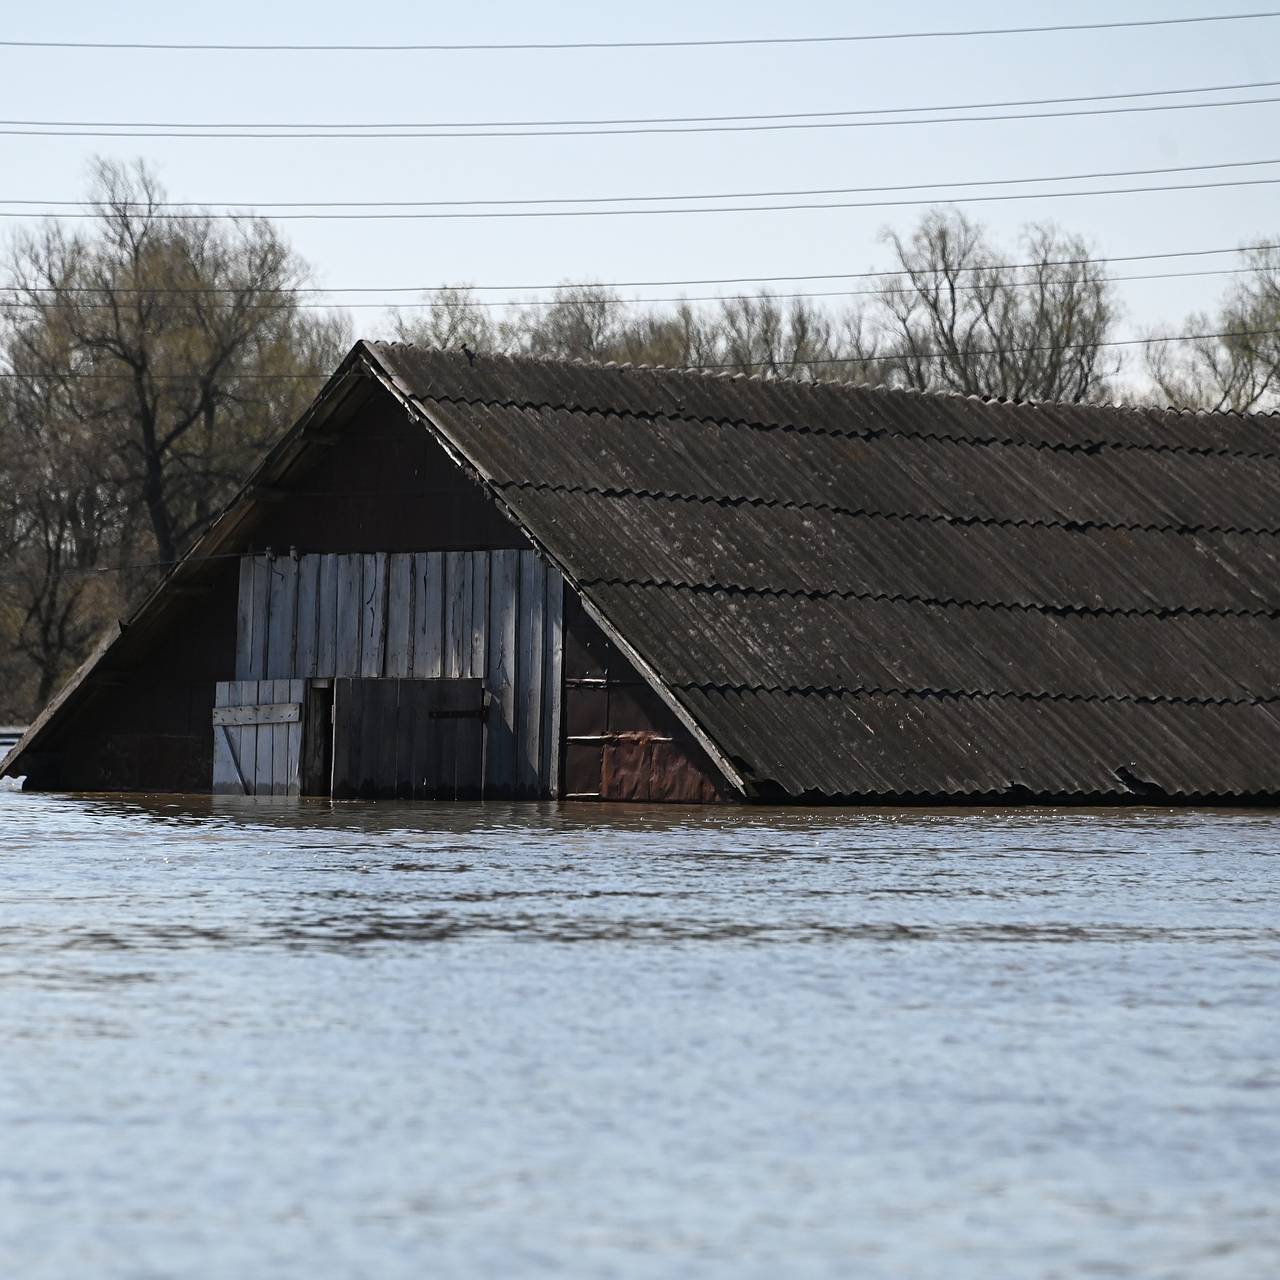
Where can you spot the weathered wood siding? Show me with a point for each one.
(490, 615)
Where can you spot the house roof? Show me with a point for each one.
(850, 592)
(862, 592)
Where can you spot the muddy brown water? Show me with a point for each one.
(262, 1039)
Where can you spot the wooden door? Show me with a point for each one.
(408, 739)
(257, 737)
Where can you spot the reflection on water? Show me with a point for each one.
(270, 1039)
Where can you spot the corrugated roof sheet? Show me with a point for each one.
(868, 593)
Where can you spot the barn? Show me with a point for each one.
(476, 577)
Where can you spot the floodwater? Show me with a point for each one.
(382, 1041)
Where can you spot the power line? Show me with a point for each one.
(245, 134)
(727, 42)
(654, 284)
(635, 120)
(95, 210)
(74, 375)
(651, 212)
(524, 303)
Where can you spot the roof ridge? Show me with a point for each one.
(846, 384)
(1090, 448)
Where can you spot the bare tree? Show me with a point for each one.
(583, 322)
(147, 365)
(955, 317)
(63, 506)
(959, 318)
(177, 336)
(453, 318)
(762, 335)
(1240, 369)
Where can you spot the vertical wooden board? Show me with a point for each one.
(500, 673)
(282, 619)
(386, 768)
(533, 582)
(280, 733)
(265, 741)
(347, 652)
(422, 742)
(399, 645)
(244, 620)
(260, 737)
(406, 711)
(259, 609)
(225, 781)
(456, 599)
(438, 780)
(377, 723)
(479, 613)
(295, 691)
(343, 717)
(465, 739)
(364, 740)
(244, 738)
(306, 646)
(373, 613)
(464, 622)
(552, 656)
(293, 785)
(428, 616)
(327, 618)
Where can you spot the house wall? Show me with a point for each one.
(381, 483)
(144, 716)
(491, 615)
(409, 568)
(373, 482)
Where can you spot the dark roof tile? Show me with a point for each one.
(868, 593)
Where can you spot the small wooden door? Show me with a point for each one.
(408, 739)
(257, 737)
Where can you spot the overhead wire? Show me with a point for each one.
(233, 206)
(451, 212)
(245, 134)
(453, 304)
(1086, 260)
(638, 120)
(688, 43)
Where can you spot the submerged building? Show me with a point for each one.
(488, 577)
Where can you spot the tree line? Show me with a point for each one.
(151, 361)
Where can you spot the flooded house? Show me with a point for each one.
(485, 577)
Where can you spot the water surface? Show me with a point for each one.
(260, 1040)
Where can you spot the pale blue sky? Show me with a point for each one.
(61, 84)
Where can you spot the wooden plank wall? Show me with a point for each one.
(491, 615)
(258, 759)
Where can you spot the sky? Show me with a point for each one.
(243, 87)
